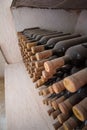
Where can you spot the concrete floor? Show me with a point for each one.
(2, 106)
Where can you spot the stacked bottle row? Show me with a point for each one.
(57, 63)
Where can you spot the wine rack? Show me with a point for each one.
(61, 80)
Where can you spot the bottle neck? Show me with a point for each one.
(67, 59)
(58, 51)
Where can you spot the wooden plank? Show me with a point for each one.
(64, 4)
(24, 107)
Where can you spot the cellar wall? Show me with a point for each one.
(60, 20)
(8, 37)
(81, 25)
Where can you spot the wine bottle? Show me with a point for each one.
(41, 62)
(43, 32)
(80, 109)
(20, 34)
(67, 105)
(33, 40)
(52, 42)
(56, 76)
(33, 58)
(77, 68)
(31, 33)
(46, 91)
(48, 85)
(44, 40)
(76, 81)
(39, 69)
(47, 75)
(29, 53)
(36, 74)
(32, 63)
(53, 97)
(51, 100)
(39, 36)
(55, 103)
(57, 125)
(60, 48)
(35, 78)
(29, 30)
(63, 117)
(52, 80)
(60, 74)
(50, 111)
(71, 123)
(58, 86)
(74, 55)
(55, 113)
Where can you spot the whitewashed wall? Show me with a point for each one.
(8, 37)
(82, 22)
(46, 18)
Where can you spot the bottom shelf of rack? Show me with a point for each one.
(24, 107)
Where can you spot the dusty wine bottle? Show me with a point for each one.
(57, 125)
(38, 37)
(58, 86)
(51, 43)
(76, 81)
(50, 111)
(45, 33)
(31, 33)
(43, 40)
(41, 62)
(67, 105)
(80, 109)
(73, 55)
(40, 48)
(55, 113)
(71, 123)
(63, 117)
(55, 103)
(60, 47)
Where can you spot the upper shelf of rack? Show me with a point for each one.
(51, 4)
